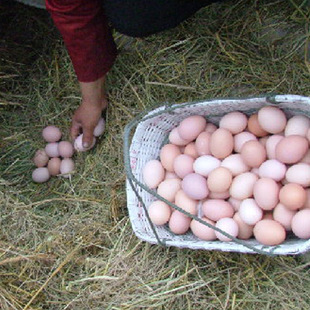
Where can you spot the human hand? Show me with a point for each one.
(87, 115)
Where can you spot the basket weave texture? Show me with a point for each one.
(150, 134)
(36, 3)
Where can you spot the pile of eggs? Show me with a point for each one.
(249, 177)
(56, 158)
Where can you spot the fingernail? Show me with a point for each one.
(86, 144)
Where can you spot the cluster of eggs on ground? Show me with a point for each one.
(56, 158)
(249, 176)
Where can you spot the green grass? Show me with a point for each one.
(68, 243)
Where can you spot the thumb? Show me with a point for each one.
(88, 137)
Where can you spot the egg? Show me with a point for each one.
(168, 154)
(242, 185)
(78, 144)
(203, 165)
(53, 166)
(299, 174)
(202, 143)
(266, 193)
(190, 149)
(271, 145)
(51, 134)
(235, 164)
(168, 189)
(284, 216)
(191, 127)
(170, 175)
(221, 143)
(250, 212)
(99, 129)
(229, 226)
(273, 169)
(242, 138)
(293, 196)
(269, 232)
(40, 158)
(174, 138)
(186, 203)
(202, 231)
(153, 173)
(195, 186)
(210, 128)
(307, 202)
(66, 167)
(235, 203)
(306, 158)
(219, 180)
(245, 231)
(235, 122)
(215, 209)
(254, 127)
(297, 125)
(272, 119)
(291, 149)
(301, 224)
(179, 223)
(65, 149)
(159, 212)
(253, 153)
(219, 195)
(51, 149)
(183, 165)
(40, 175)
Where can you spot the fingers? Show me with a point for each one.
(75, 130)
(88, 136)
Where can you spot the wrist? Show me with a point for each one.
(93, 92)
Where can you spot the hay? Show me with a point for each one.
(68, 244)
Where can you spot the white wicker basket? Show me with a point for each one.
(150, 133)
(36, 3)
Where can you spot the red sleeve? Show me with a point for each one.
(86, 34)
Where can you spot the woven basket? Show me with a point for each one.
(151, 132)
(36, 3)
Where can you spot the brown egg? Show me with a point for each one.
(53, 166)
(219, 180)
(269, 232)
(202, 143)
(291, 149)
(254, 127)
(40, 158)
(253, 153)
(215, 209)
(293, 196)
(186, 203)
(202, 231)
(221, 143)
(168, 188)
(284, 216)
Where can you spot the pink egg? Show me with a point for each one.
(66, 167)
(245, 231)
(168, 154)
(168, 189)
(186, 203)
(51, 134)
(297, 125)
(179, 223)
(190, 149)
(291, 149)
(191, 127)
(202, 143)
(300, 224)
(273, 169)
(271, 144)
(51, 149)
(40, 175)
(235, 122)
(235, 203)
(210, 128)
(242, 138)
(183, 165)
(284, 216)
(215, 209)
(235, 164)
(221, 195)
(242, 185)
(272, 119)
(65, 149)
(253, 153)
(250, 212)
(174, 138)
(229, 226)
(78, 144)
(299, 174)
(195, 186)
(159, 212)
(266, 193)
(203, 165)
(202, 231)
(153, 173)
